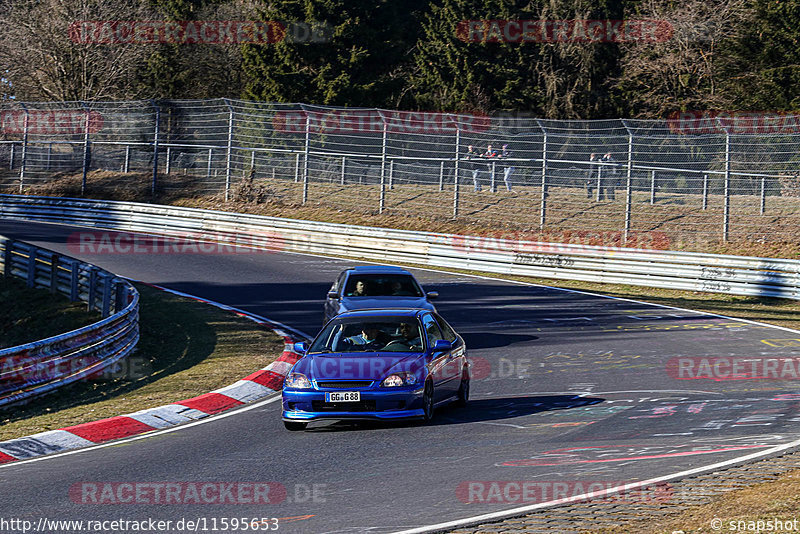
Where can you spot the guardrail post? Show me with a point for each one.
(106, 310)
(705, 191)
(74, 278)
(24, 148)
(92, 285)
(31, 278)
(493, 182)
(230, 151)
(382, 200)
(8, 257)
(155, 147)
(763, 193)
(652, 187)
(441, 175)
(120, 296)
(127, 166)
(86, 149)
(54, 273)
(456, 169)
(344, 164)
(305, 159)
(169, 160)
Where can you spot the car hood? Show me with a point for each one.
(367, 303)
(369, 366)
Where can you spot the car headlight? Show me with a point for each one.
(399, 379)
(297, 381)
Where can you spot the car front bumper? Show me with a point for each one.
(310, 405)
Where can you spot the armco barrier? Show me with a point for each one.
(663, 269)
(41, 366)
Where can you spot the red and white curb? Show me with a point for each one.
(258, 385)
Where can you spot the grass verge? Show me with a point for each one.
(31, 314)
(187, 348)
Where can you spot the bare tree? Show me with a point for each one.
(43, 60)
(681, 71)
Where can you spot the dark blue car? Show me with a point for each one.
(377, 364)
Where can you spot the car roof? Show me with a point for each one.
(379, 269)
(383, 312)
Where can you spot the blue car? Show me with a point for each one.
(376, 287)
(379, 365)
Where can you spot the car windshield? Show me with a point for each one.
(382, 285)
(384, 334)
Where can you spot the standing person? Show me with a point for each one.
(507, 169)
(609, 176)
(472, 154)
(490, 153)
(591, 176)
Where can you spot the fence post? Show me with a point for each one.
(305, 159)
(382, 200)
(763, 193)
(230, 151)
(543, 197)
(600, 170)
(493, 182)
(727, 210)
(344, 163)
(297, 167)
(391, 174)
(24, 148)
(652, 187)
(86, 150)
(127, 158)
(253, 161)
(54, 273)
(11, 160)
(155, 148)
(169, 160)
(705, 191)
(628, 186)
(208, 166)
(456, 169)
(49, 154)
(441, 175)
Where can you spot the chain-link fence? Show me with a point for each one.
(711, 179)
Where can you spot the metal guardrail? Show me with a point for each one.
(41, 366)
(733, 275)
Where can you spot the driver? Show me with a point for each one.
(409, 335)
(371, 338)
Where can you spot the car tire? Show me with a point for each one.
(294, 426)
(462, 397)
(427, 402)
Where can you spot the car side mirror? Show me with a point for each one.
(301, 347)
(333, 295)
(432, 295)
(442, 345)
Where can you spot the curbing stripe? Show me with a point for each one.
(108, 429)
(245, 391)
(268, 379)
(166, 416)
(211, 403)
(5, 458)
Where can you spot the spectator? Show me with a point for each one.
(609, 180)
(507, 169)
(471, 154)
(592, 175)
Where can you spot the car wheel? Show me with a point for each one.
(463, 390)
(294, 426)
(427, 402)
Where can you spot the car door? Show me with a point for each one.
(441, 368)
(459, 352)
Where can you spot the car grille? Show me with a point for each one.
(361, 406)
(346, 385)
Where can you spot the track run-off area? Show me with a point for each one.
(571, 392)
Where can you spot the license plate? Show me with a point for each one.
(343, 396)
